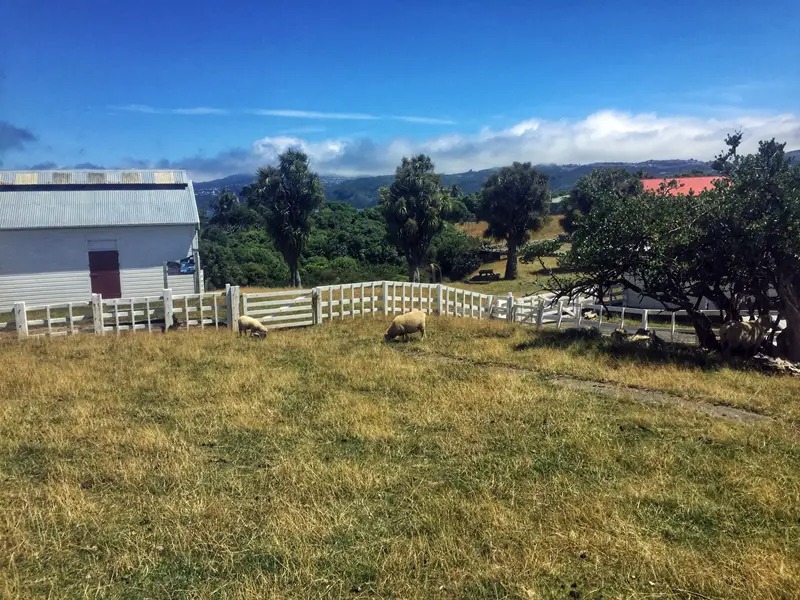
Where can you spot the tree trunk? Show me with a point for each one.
(295, 271)
(511, 262)
(790, 298)
(413, 272)
(705, 334)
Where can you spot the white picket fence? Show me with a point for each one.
(314, 306)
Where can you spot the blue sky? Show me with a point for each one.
(220, 88)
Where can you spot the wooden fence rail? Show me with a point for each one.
(315, 306)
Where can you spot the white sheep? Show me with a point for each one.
(743, 336)
(252, 326)
(406, 324)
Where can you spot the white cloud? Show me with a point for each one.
(152, 110)
(309, 114)
(604, 136)
(429, 120)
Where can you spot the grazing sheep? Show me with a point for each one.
(252, 326)
(406, 324)
(743, 337)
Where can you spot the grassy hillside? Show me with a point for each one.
(531, 276)
(201, 465)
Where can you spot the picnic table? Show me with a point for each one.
(486, 274)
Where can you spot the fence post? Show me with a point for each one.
(672, 331)
(97, 314)
(233, 308)
(385, 293)
(169, 315)
(540, 313)
(316, 307)
(560, 313)
(21, 319)
(644, 319)
(439, 298)
(579, 309)
(510, 307)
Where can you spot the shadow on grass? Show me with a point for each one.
(590, 341)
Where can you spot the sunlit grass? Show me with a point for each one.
(323, 463)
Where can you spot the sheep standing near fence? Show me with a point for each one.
(404, 325)
(251, 326)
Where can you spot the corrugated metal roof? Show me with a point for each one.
(37, 209)
(87, 177)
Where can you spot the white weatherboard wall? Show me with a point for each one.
(49, 266)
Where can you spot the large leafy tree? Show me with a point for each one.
(651, 244)
(617, 181)
(286, 196)
(515, 201)
(414, 206)
(737, 245)
(757, 230)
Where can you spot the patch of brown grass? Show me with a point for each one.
(323, 463)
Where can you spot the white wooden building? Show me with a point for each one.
(67, 234)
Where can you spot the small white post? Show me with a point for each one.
(510, 308)
(47, 318)
(560, 313)
(21, 319)
(622, 319)
(315, 306)
(330, 303)
(439, 298)
(97, 314)
(403, 298)
(233, 309)
(71, 320)
(186, 309)
(147, 312)
(116, 315)
(580, 312)
(168, 314)
(133, 317)
(200, 299)
(540, 313)
(362, 300)
(244, 304)
(644, 319)
(672, 331)
(372, 298)
(489, 306)
(385, 294)
(600, 318)
(341, 301)
(216, 314)
(352, 301)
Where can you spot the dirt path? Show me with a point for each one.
(648, 396)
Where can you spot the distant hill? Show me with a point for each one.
(362, 192)
(206, 191)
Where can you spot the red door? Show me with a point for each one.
(104, 273)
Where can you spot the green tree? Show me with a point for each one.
(286, 196)
(515, 201)
(756, 231)
(456, 253)
(414, 206)
(617, 181)
(229, 213)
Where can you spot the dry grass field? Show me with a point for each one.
(322, 463)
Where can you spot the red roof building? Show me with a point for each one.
(697, 184)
